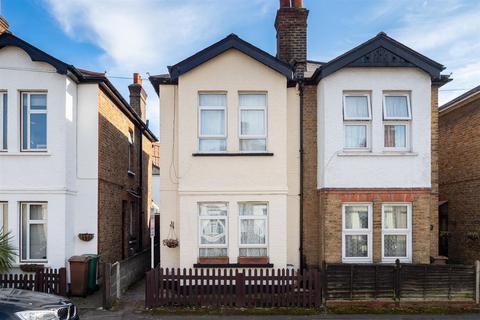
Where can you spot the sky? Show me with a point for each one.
(126, 36)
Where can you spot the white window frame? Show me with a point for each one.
(357, 94)
(199, 121)
(253, 217)
(396, 94)
(4, 216)
(265, 124)
(30, 222)
(3, 111)
(200, 218)
(24, 122)
(368, 232)
(407, 135)
(368, 126)
(407, 232)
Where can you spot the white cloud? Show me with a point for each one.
(146, 36)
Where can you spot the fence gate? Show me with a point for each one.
(239, 288)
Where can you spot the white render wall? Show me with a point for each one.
(66, 175)
(187, 180)
(375, 169)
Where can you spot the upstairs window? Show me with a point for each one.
(212, 122)
(253, 229)
(34, 121)
(253, 122)
(357, 121)
(397, 117)
(3, 121)
(213, 230)
(131, 150)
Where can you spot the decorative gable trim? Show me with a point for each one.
(230, 42)
(380, 51)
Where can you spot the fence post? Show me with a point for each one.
(107, 286)
(396, 282)
(62, 279)
(477, 282)
(240, 289)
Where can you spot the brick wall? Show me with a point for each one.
(116, 185)
(311, 216)
(331, 201)
(434, 164)
(460, 178)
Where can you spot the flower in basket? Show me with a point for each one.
(171, 243)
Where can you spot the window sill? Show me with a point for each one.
(25, 153)
(232, 154)
(377, 154)
(233, 265)
(131, 173)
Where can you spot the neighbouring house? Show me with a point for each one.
(459, 122)
(288, 161)
(75, 158)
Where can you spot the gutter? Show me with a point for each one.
(302, 258)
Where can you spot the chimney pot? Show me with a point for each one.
(137, 78)
(297, 3)
(3, 25)
(284, 3)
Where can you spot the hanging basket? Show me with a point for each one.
(85, 236)
(171, 243)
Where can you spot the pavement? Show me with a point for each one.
(131, 307)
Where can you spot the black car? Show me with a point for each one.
(29, 305)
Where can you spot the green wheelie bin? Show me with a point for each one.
(92, 272)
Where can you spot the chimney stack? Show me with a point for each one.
(138, 97)
(291, 26)
(3, 25)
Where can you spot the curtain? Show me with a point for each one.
(210, 145)
(38, 102)
(395, 136)
(253, 252)
(356, 107)
(253, 100)
(212, 122)
(395, 217)
(38, 241)
(213, 252)
(356, 245)
(253, 209)
(253, 145)
(252, 122)
(355, 136)
(356, 217)
(213, 100)
(253, 231)
(396, 106)
(395, 245)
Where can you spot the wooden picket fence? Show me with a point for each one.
(52, 281)
(240, 288)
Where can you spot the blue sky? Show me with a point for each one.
(126, 36)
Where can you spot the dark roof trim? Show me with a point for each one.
(230, 42)
(458, 99)
(380, 41)
(78, 75)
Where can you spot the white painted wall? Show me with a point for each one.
(187, 180)
(66, 175)
(375, 169)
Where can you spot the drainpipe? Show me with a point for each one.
(302, 258)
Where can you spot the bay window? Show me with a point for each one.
(396, 232)
(212, 122)
(253, 122)
(33, 231)
(397, 116)
(357, 121)
(34, 121)
(357, 232)
(213, 230)
(3, 121)
(4, 217)
(253, 229)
